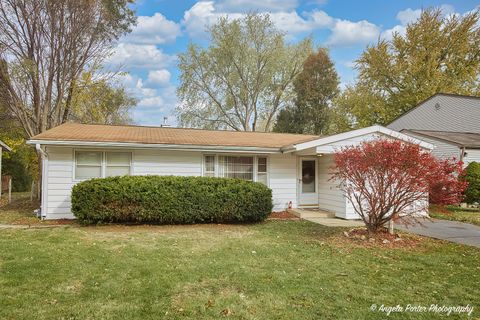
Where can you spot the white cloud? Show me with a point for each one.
(291, 22)
(143, 56)
(159, 77)
(256, 5)
(388, 34)
(154, 103)
(202, 15)
(408, 15)
(344, 32)
(206, 13)
(150, 102)
(347, 33)
(154, 29)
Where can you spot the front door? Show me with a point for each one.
(307, 182)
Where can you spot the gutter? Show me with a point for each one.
(43, 192)
(203, 148)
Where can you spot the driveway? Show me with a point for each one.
(453, 231)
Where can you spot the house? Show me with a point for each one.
(3, 147)
(296, 167)
(450, 122)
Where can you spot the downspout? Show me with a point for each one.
(462, 153)
(43, 201)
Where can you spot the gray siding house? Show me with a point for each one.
(450, 122)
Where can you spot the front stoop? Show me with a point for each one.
(324, 218)
(311, 213)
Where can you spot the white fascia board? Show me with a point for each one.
(361, 132)
(4, 146)
(201, 148)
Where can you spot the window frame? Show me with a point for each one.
(255, 164)
(215, 166)
(266, 173)
(103, 165)
(117, 151)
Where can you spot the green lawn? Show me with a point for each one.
(20, 211)
(273, 270)
(457, 214)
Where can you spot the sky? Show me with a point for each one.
(148, 55)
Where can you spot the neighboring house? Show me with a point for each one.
(450, 122)
(296, 167)
(3, 147)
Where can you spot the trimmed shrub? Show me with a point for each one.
(170, 200)
(472, 176)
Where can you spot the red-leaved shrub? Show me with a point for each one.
(384, 179)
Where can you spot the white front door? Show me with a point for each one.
(307, 182)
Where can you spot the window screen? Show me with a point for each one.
(88, 164)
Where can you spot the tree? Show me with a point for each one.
(45, 46)
(437, 53)
(21, 164)
(99, 101)
(314, 87)
(472, 177)
(384, 179)
(242, 79)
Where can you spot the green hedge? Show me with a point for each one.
(170, 200)
(472, 176)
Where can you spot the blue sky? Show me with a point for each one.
(165, 27)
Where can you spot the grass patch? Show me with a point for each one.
(273, 270)
(20, 210)
(467, 215)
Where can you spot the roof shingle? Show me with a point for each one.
(464, 139)
(163, 135)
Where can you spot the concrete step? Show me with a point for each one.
(311, 213)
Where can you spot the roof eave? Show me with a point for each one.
(433, 137)
(182, 147)
(363, 131)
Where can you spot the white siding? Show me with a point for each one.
(337, 145)
(330, 197)
(60, 179)
(473, 155)
(283, 180)
(179, 163)
(59, 182)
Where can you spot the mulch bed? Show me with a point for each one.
(282, 215)
(359, 237)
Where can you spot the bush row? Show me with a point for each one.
(170, 200)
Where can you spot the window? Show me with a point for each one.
(262, 170)
(239, 167)
(209, 166)
(235, 167)
(98, 164)
(118, 164)
(308, 176)
(88, 164)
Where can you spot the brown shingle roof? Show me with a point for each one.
(179, 136)
(464, 139)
